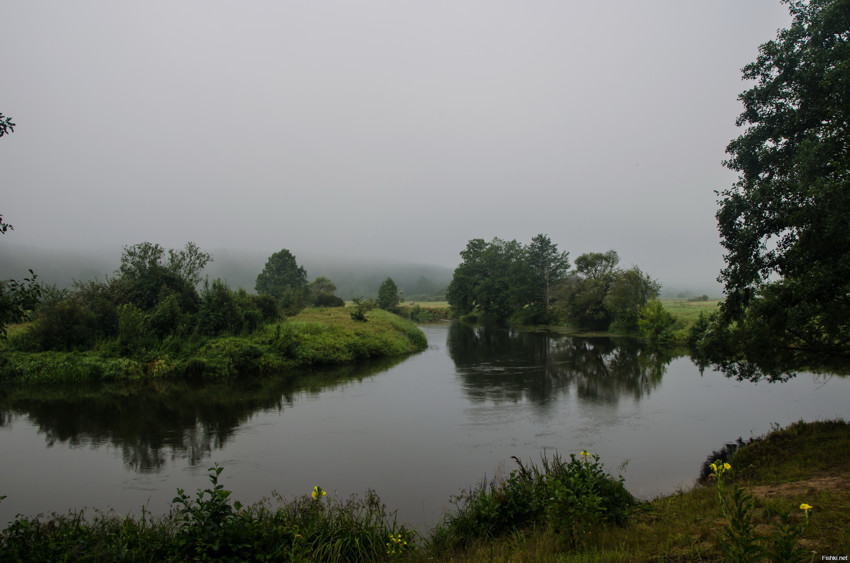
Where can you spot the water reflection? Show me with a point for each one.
(156, 421)
(777, 368)
(500, 364)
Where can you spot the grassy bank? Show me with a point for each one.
(561, 511)
(804, 463)
(313, 337)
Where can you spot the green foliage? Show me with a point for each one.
(361, 307)
(208, 527)
(548, 267)
(572, 496)
(317, 337)
(739, 540)
(502, 281)
(219, 312)
(492, 279)
(322, 293)
(388, 295)
(146, 275)
(630, 293)
(583, 296)
(282, 278)
(131, 328)
(267, 306)
(655, 323)
(17, 299)
(783, 223)
(65, 325)
(211, 527)
(167, 318)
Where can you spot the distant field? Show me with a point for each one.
(428, 304)
(688, 311)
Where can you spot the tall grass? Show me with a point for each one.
(210, 527)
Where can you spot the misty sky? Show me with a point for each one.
(392, 129)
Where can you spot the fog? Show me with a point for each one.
(383, 131)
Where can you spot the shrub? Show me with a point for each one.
(572, 497)
(219, 312)
(656, 323)
(361, 307)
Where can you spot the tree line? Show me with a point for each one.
(158, 299)
(505, 281)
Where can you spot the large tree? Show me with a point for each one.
(784, 223)
(493, 279)
(548, 267)
(283, 279)
(388, 295)
(149, 275)
(583, 296)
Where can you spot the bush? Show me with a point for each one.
(361, 307)
(571, 497)
(328, 300)
(219, 312)
(267, 305)
(656, 323)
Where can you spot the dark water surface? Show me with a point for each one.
(416, 430)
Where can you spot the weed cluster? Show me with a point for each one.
(572, 497)
(739, 540)
(209, 527)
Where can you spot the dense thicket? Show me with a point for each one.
(152, 298)
(532, 284)
(153, 301)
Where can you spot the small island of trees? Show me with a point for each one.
(507, 282)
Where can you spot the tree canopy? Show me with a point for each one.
(388, 295)
(147, 273)
(532, 284)
(285, 280)
(784, 222)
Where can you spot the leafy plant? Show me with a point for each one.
(572, 497)
(739, 540)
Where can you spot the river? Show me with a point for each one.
(416, 430)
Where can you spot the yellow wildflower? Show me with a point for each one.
(805, 507)
(317, 492)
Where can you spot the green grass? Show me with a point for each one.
(685, 314)
(804, 463)
(315, 337)
(689, 311)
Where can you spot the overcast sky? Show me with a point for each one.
(397, 129)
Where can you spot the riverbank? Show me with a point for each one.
(805, 463)
(314, 337)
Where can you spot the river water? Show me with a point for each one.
(416, 430)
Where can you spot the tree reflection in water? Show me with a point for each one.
(154, 421)
(499, 364)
